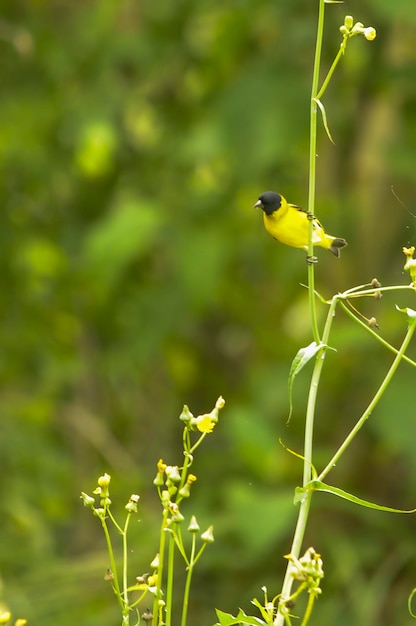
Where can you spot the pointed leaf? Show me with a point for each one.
(324, 119)
(317, 485)
(409, 312)
(226, 619)
(303, 356)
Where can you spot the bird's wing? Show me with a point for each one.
(316, 223)
(298, 208)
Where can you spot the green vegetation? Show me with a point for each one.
(134, 139)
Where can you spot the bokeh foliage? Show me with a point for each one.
(134, 139)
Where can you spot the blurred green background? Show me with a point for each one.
(135, 136)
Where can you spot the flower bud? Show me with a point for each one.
(348, 22)
(172, 473)
(165, 497)
(372, 322)
(370, 33)
(87, 500)
(155, 563)
(131, 505)
(186, 415)
(142, 579)
(220, 403)
(185, 492)
(208, 535)
(152, 580)
(358, 28)
(177, 516)
(193, 525)
(104, 481)
(159, 479)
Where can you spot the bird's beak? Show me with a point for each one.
(258, 205)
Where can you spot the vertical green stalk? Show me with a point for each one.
(310, 412)
(312, 167)
(169, 578)
(162, 545)
(113, 564)
(307, 459)
(125, 570)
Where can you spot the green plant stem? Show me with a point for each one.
(307, 458)
(125, 567)
(371, 292)
(310, 412)
(380, 391)
(328, 77)
(309, 607)
(295, 550)
(312, 168)
(112, 564)
(186, 592)
(169, 580)
(162, 545)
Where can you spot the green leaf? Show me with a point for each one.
(263, 611)
(226, 619)
(303, 356)
(317, 485)
(324, 119)
(409, 312)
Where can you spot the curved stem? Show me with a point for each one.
(332, 68)
(113, 564)
(376, 336)
(190, 570)
(380, 391)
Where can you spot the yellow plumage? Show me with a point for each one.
(289, 224)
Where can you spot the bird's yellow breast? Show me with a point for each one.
(290, 225)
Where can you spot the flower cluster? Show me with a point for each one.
(204, 423)
(102, 490)
(307, 569)
(349, 29)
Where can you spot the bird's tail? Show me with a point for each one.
(336, 243)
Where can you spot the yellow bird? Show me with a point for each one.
(289, 224)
